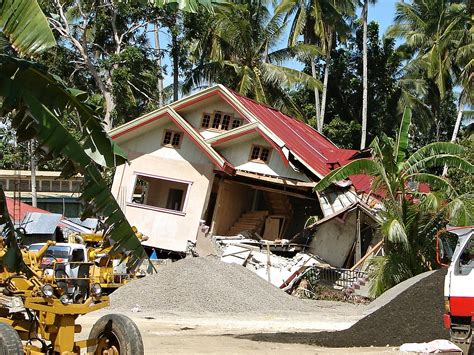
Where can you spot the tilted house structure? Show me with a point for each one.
(220, 159)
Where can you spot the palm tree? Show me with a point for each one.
(409, 217)
(365, 13)
(33, 99)
(439, 34)
(319, 21)
(236, 51)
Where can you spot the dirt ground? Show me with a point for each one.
(181, 333)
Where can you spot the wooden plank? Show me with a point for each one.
(272, 228)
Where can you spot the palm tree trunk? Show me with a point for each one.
(159, 84)
(459, 117)
(364, 75)
(175, 56)
(456, 125)
(326, 78)
(316, 97)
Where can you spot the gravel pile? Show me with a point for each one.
(204, 285)
(414, 316)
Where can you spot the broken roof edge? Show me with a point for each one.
(274, 179)
(358, 204)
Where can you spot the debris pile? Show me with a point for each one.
(201, 285)
(277, 270)
(414, 316)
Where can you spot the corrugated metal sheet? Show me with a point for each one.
(68, 226)
(90, 223)
(307, 143)
(334, 201)
(40, 223)
(19, 214)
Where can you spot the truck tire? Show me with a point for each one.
(10, 342)
(121, 334)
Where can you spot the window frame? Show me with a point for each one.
(170, 145)
(137, 174)
(202, 120)
(259, 160)
(230, 125)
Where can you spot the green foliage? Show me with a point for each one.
(25, 26)
(106, 50)
(32, 98)
(344, 95)
(236, 50)
(12, 259)
(346, 134)
(410, 217)
(462, 181)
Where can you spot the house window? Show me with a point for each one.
(55, 186)
(76, 186)
(206, 120)
(65, 186)
(225, 122)
(216, 122)
(220, 121)
(260, 154)
(172, 139)
(46, 185)
(161, 193)
(236, 123)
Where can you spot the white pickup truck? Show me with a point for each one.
(63, 253)
(459, 290)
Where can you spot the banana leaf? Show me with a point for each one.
(25, 25)
(12, 259)
(34, 99)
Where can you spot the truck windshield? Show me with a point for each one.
(54, 251)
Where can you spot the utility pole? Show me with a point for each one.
(33, 173)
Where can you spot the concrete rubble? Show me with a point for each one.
(257, 257)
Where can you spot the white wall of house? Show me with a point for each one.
(188, 165)
(239, 154)
(333, 239)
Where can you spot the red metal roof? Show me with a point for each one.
(304, 141)
(19, 214)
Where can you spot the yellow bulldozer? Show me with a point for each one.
(39, 308)
(40, 302)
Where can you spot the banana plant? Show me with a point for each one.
(25, 26)
(34, 100)
(410, 217)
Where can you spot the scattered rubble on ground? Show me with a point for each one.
(414, 316)
(285, 266)
(204, 284)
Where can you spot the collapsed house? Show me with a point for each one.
(220, 162)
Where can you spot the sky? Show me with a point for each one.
(382, 12)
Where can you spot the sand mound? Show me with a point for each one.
(202, 285)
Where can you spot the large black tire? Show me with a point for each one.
(122, 335)
(10, 342)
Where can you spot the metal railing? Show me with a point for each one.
(335, 276)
